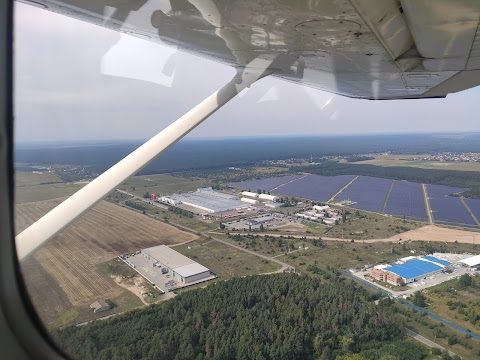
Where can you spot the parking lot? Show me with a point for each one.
(277, 221)
(152, 273)
(419, 284)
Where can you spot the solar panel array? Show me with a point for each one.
(264, 184)
(315, 187)
(406, 199)
(474, 205)
(369, 193)
(446, 208)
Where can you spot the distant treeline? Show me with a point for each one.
(198, 154)
(283, 316)
(465, 179)
(357, 158)
(134, 205)
(182, 212)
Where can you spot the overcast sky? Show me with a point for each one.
(77, 81)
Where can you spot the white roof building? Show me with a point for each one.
(473, 261)
(183, 268)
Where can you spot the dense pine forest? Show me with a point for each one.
(283, 316)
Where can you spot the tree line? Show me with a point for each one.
(282, 316)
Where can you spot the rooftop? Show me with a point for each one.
(438, 261)
(414, 268)
(191, 269)
(472, 261)
(211, 200)
(168, 256)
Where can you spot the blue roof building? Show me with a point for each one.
(414, 269)
(438, 261)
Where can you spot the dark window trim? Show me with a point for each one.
(22, 335)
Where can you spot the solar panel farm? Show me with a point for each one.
(401, 199)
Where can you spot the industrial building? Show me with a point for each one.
(249, 201)
(182, 268)
(250, 194)
(472, 262)
(206, 200)
(268, 197)
(260, 220)
(410, 269)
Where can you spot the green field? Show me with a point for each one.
(224, 260)
(160, 184)
(404, 160)
(26, 178)
(26, 194)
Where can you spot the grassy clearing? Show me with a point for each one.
(315, 227)
(27, 178)
(372, 226)
(34, 193)
(457, 304)
(402, 160)
(160, 184)
(225, 261)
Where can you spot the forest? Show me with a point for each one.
(282, 316)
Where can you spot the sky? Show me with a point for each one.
(77, 81)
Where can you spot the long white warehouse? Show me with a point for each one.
(268, 197)
(250, 194)
(249, 201)
(473, 261)
(181, 267)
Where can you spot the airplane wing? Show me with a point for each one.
(372, 49)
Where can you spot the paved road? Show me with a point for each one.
(425, 341)
(284, 266)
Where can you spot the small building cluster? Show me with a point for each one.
(321, 213)
(410, 269)
(99, 306)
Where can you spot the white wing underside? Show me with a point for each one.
(373, 49)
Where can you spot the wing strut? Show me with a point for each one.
(64, 214)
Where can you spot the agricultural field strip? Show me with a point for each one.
(72, 257)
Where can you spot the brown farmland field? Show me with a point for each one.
(66, 271)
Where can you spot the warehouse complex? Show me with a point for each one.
(206, 200)
(182, 268)
(410, 269)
